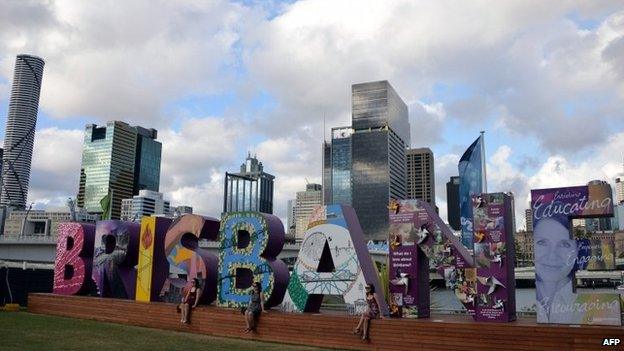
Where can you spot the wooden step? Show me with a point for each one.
(335, 331)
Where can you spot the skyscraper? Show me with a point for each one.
(619, 190)
(20, 130)
(381, 133)
(341, 166)
(528, 219)
(327, 171)
(249, 190)
(452, 203)
(306, 202)
(420, 175)
(113, 162)
(147, 161)
(290, 223)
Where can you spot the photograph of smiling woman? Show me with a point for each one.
(555, 258)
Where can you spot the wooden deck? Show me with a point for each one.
(331, 331)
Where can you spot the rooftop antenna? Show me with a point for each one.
(325, 140)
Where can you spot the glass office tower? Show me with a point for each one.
(381, 133)
(452, 203)
(249, 190)
(112, 163)
(327, 172)
(147, 162)
(341, 165)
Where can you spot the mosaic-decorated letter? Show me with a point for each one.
(153, 267)
(483, 290)
(333, 260)
(556, 254)
(187, 258)
(413, 223)
(114, 258)
(74, 256)
(494, 257)
(250, 243)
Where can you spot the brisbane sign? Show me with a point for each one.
(156, 259)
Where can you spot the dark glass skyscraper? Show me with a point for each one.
(249, 190)
(327, 172)
(380, 136)
(341, 165)
(452, 203)
(114, 158)
(20, 130)
(147, 162)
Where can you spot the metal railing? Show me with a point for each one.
(25, 239)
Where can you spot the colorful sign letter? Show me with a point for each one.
(556, 254)
(153, 267)
(250, 243)
(333, 260)
(74, 256)
(185, 257)
(494, 256)
(418, 236)
(114, 257)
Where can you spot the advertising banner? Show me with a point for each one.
(556, 255)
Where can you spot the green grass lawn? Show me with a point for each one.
(26, 331)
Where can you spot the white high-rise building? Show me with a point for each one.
(182, 210)
(619, 190)
(528, 219)
(19, 137)
(147, 203)
(305, 204)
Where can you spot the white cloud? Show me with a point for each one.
(206, 198)
(556, 171)
(523, 66)
(445, 167)
(294, 161)
(190, 156)
(520, 62)
(125, 60)
(55, 170)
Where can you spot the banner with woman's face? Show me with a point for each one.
(556, 254)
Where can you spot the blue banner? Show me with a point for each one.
(470, 183)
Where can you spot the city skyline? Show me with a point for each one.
(276, 108)
(118, 160)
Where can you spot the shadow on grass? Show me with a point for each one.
(26, 331)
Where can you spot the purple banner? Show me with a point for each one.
(556, 255)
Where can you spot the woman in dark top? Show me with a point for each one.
(371, 312)
(255, 307)
(190, 300)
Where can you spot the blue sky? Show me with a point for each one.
(544, 80)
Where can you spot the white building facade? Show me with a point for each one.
(147, 203)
